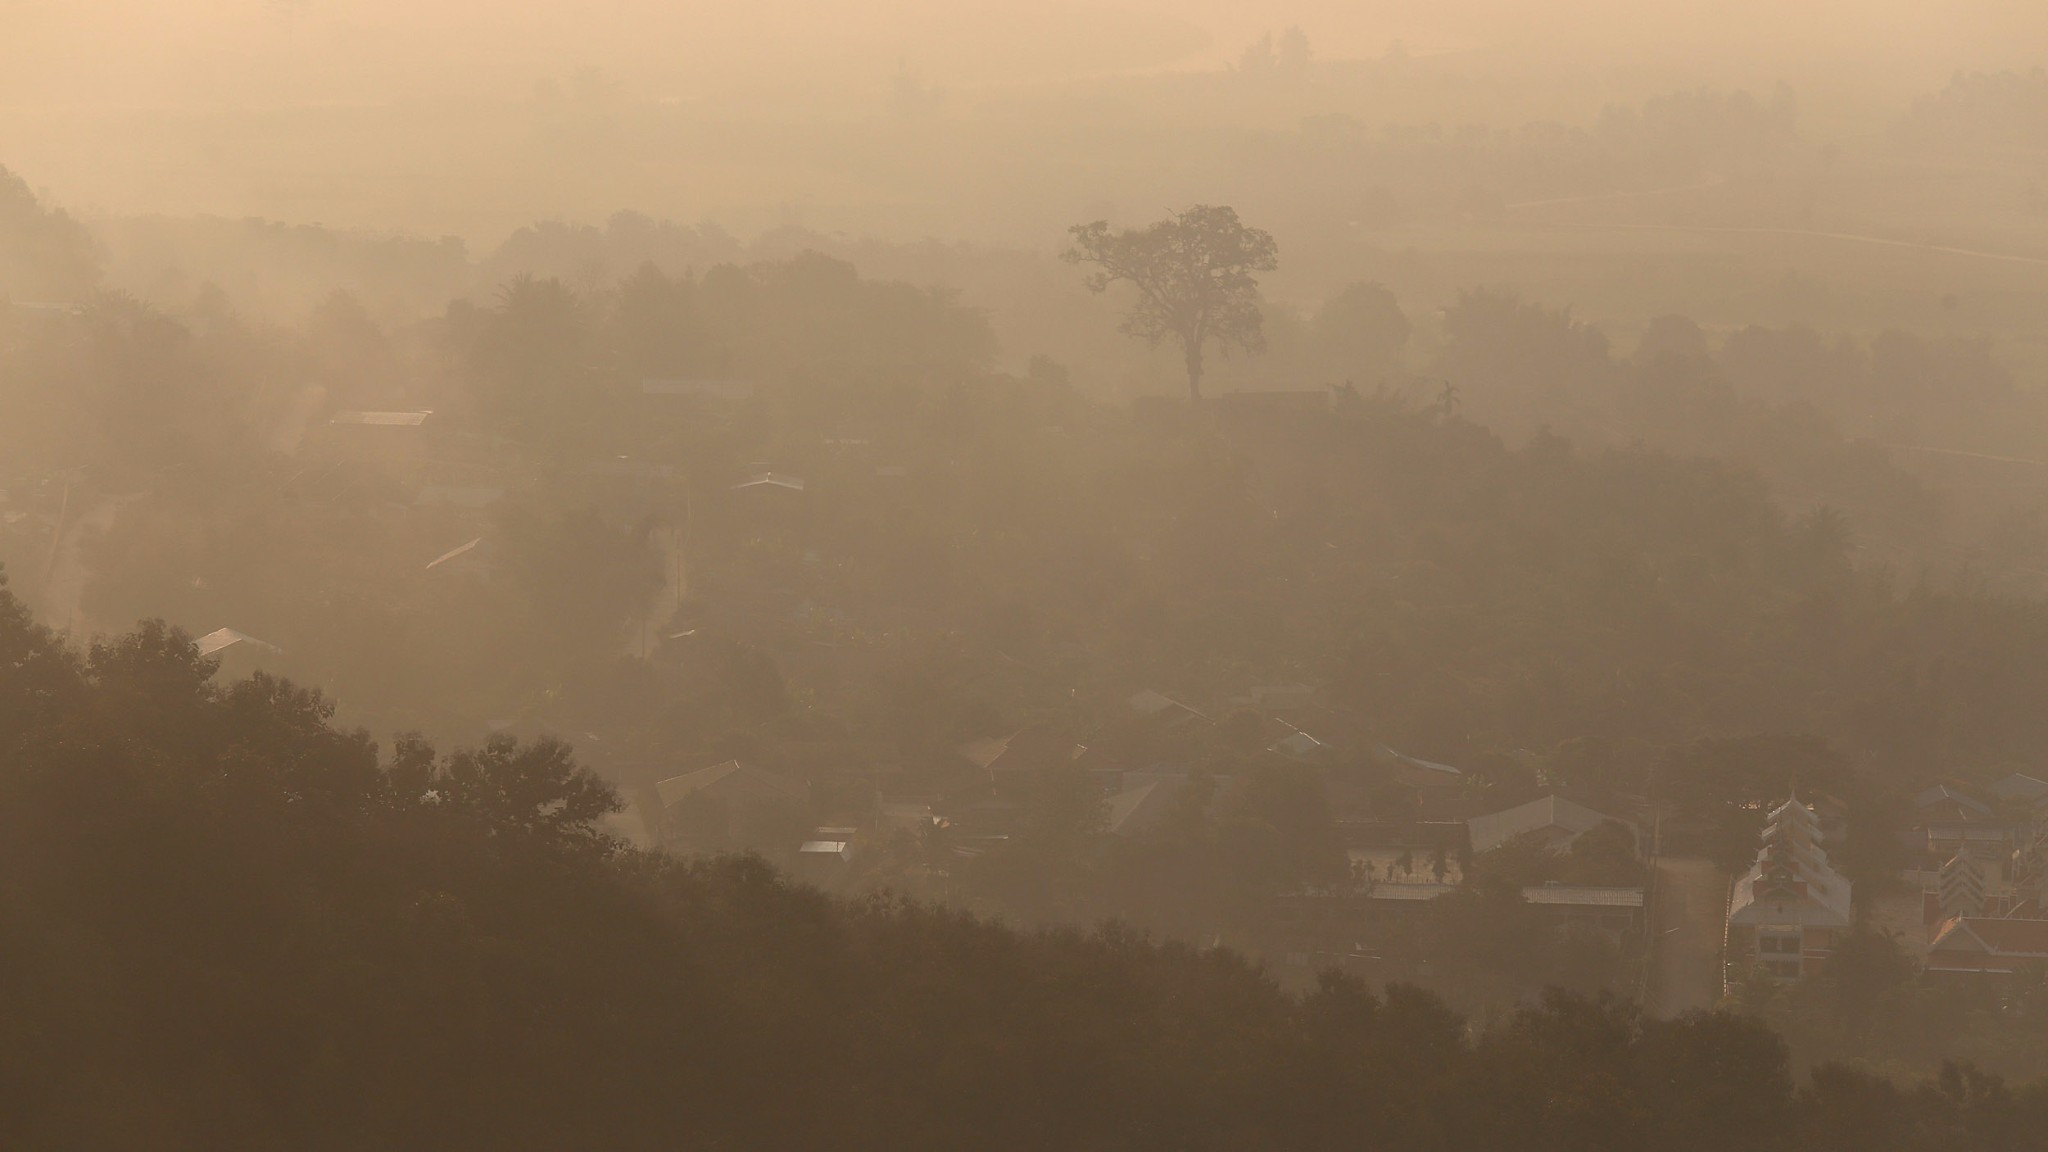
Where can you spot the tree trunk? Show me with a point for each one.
(1194, 359)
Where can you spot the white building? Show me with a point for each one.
(1791, 907)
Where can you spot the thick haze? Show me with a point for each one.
(265, 107)
(522, 520)
(283, 51)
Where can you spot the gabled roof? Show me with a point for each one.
(1965, 830)
(1793, 811)
(984, 751)
(1150, 703)
(1982, 943)
(1825, 903)
(221, 639)
(1791, 881)
(771, 480)
(1493, 830)
(2022, 787)
(1027, 749)
(2027, 938)
(734, 780)
(1297, 744)
(1135, 809)
(1942, 792)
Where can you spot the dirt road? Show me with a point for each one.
(1685, 940)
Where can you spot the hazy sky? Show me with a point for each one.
(282, 51)
(421, 114)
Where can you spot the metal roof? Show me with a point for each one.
(2028, 938)
(1134, 808)
(382, 419)
(1819, 897)
(452, 553)
(1297, 744)
(1990, 833)
(749, 778)
(2020, 786)
(1584, 895)
(1150, 702)
(221, 639)
(1941, 792)
(1497, 828)
(1422, 891)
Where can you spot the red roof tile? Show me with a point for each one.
(2003, 937)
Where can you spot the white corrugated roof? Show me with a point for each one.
(1825, 902)
(1584, 895)
(1497, 828)
(221, 639)
(382, 419)
(1420, 891)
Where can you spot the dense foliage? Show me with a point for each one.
(230, 925)
(977, 552)
(1666, 581)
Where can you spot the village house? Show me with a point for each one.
(1983, 945)
(1952, 820)
(1553, 821)
(707, 808)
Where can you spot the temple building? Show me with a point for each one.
(1791, 907)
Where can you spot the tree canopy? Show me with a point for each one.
(1194, 275)
(245, 929)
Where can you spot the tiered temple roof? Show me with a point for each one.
(1792, 881)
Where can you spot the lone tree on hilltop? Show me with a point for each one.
(1193, 272)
